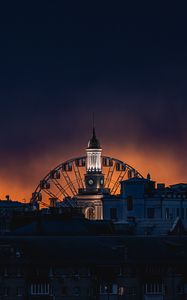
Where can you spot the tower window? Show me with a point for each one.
(113, 213)
(129, 203)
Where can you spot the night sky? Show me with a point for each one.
(63, 60)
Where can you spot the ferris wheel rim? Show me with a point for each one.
(69, 161)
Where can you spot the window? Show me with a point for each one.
(167, 213)
(153, 288)
(19, 291)
(64, 290)
(129, 203)
(90, 213)
(90, 291)
(50, 272)
(75, 273)
(110, 288)
(113, 213)
(76, 291)
(121, 291)
(180, 289)
(150, 212)
(5, 291)
(40, 289)
(132, 290)
(18, 272)
(5, 273)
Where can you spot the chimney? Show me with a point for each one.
(7, 197)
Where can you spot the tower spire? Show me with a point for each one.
(93, 152)
(93, 125)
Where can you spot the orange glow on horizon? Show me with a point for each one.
(162, 167)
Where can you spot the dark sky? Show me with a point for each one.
(61, 61)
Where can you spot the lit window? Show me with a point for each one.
(121, 291)
(40, 289)
(154, 288)
(109, 289)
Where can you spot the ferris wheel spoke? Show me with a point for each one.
(51, 194)
(44, 204)
(117, 183)
(60, 188)
(69, 182)
(118, 180)
(109, 176)
(78, 176)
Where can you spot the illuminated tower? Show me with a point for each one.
(90, 197)
(94, 179)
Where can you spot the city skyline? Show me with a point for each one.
(23, 186)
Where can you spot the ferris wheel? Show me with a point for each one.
(67, 178)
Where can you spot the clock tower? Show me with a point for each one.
(94, 179)
(90, 197)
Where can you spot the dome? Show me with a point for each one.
(94, 142)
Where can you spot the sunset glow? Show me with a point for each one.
(161, 166)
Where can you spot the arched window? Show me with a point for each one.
(90, 213)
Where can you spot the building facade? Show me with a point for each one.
(93, 267)
(153, 209)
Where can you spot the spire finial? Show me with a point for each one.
(93, 123)
(93, 142)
